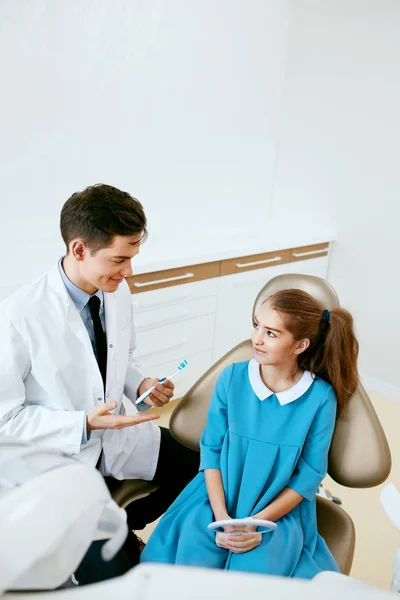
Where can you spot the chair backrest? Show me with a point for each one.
(359, 455)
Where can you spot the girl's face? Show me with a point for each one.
(272, 343)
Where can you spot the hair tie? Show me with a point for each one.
(326, 316)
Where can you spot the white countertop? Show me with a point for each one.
(165, 251)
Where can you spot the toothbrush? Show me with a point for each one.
(143, 397)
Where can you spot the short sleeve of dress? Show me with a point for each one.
(312, 465)
(217, 423)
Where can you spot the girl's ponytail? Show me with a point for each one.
(340, 355)
(333, 350)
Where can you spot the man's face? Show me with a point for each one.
(106, 269)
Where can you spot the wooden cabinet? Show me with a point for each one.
(171, 277)
(254, 262)
(308, 252)
(310, 260)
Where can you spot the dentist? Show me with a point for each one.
(67, 344)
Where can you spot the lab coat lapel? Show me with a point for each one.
(73, 319)
(76, 324)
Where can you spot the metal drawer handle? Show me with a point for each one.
(309, 253)
(259, 262)
(167, 280)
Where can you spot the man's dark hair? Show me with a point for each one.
(99, 213)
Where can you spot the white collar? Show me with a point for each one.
(262, 392)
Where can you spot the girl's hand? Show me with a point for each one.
(238, 544)
(221, 539)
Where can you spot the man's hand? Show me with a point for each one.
(162, 393)
(100, 417)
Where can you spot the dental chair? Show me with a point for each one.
(359, 455)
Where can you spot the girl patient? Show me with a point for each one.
(264, 450)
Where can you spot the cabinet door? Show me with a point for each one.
(153, 300)
(174, 341)
(174, 323)
(312, 266)
(236, 297)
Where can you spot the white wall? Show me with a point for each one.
(188, 105)
(177, 102)
(339, 157)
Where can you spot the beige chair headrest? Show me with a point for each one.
(318, 288)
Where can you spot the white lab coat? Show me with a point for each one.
(49, 377)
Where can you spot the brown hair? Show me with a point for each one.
(333, 351)
(99, 213)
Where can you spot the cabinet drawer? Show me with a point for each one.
(175, 341)
(171, 277)
(176, 295)
(175, 313)
(307, 252)
(314, 266)
(255, 261)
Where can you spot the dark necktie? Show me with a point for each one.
(99, 335)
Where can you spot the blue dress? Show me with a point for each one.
(262, 442)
